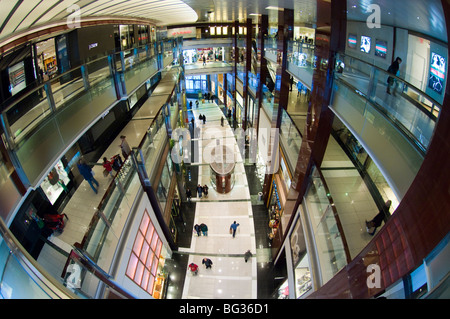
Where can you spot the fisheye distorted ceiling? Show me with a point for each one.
(21, 16)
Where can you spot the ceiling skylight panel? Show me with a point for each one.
(31, 17)
(54, 10)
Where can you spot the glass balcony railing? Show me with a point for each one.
(19, 278)
(104, 233)
(47, 119)
(290, 138)
(326, 229)
(408, 108)
(397, 156)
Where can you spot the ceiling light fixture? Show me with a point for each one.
(274, 8)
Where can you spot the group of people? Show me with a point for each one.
(115, 163)
(194, 267)
(201, 190)
(202, 228)
(202, 118)
(208, 263)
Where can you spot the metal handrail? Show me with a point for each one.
(46, 282)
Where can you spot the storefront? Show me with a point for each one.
(46, 58)
(196, 84)
(300, 261)
(281, 183)
(147, 259)
(55, 183)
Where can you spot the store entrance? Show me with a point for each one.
(46, 59)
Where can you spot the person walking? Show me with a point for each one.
(86, 172)
(204, 229)
(204, 60)
(221, 121)
(207, 262)
(204, 119)
(188, 194)
(233, 228)
(126, 150)
(197, 229)
(247, 255)
(193, 268)
(199, 190)
(299, 88)
(393, 69)
(378, 219)
(205, 190)
(107, 165)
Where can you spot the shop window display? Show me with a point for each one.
(55, 182)
(300, 261)
(145, 266)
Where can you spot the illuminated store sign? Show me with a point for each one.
(381, 48)
(437, 73)
(365, 44)
(351, 41)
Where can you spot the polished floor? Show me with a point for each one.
(230, 276)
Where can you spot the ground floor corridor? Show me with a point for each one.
(230, 275)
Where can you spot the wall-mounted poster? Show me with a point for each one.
(365, 44)
(351, 42)
(437, 73)
(381, 48)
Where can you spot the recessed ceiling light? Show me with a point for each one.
(274, 8)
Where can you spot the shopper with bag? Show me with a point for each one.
(233, 228)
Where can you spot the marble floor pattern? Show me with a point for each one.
(230, 276)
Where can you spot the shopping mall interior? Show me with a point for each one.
(226, 149)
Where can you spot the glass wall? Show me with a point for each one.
(325, 228)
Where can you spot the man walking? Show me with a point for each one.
(233, 228)
(207, 262)
(204, 229)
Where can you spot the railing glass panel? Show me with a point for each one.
(29, 113)
(412, 111)
(290, 138)
(395, 154)
(324, 225)
(15, 282)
